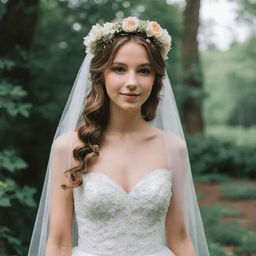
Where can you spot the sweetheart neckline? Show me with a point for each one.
(128, 193)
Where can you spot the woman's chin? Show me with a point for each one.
(133, 109)
(128, 107)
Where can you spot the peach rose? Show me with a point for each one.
(130, 24)
(153, 29)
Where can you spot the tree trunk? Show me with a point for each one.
(191, 107)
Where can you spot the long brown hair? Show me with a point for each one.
(96, 111)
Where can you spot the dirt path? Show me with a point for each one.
(211, 196)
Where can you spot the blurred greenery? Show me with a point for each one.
(238, 190)
(222, 234)
(30, 108)
(230, 85)
(210, 178)
(213, 214)
(248, 245)
(237, 134)
(217, 250)
(227, 233)
(15, 200)
(212, 155)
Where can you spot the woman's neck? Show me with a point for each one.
(125, 123)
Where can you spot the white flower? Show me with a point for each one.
(130, 24)
(96, 31)
(89, 41)
(108, 28)
(153, 29)
(86, 40)
(166, 37)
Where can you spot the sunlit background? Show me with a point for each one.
(212, 71)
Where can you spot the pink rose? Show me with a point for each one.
(130, 24)
(153, 29)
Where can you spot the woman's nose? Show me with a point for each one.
(132, 79)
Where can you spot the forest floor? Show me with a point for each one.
(212, 196)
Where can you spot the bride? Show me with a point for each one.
(119, 180)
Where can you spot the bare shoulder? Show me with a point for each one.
(66, 141)
(64, 145)
(174, 140)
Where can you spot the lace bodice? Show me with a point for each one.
(112, 221)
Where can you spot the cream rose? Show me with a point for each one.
(89, 41)
(165, 38)
(96, 31)
(108, 28)
(153, 29)
(130, 24)
(86, 40)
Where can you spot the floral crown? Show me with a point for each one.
(102, 35)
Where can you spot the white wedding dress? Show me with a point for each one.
(113, 222)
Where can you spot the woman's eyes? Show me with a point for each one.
(118, 69)
(143, 71)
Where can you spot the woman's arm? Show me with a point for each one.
(59, 240)
(178, 238)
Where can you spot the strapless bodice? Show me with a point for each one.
(112, 221)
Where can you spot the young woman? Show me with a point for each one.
(119, 180)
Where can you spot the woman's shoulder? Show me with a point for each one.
(66, 141)
(174, 140)
(168, 135)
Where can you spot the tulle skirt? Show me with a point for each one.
(165, 251)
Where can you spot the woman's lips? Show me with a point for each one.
(130, 96)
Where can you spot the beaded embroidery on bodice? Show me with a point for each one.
(112, 221)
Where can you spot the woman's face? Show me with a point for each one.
(130, 74)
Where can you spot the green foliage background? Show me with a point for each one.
(30, 112)
(230, 83)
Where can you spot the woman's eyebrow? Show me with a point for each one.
(123, 64)
(119, 63)
(145, 64)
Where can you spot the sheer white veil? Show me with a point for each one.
(167, 119)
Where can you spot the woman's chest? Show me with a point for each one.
(128, 163)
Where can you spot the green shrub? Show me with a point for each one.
(213, 155)
(227, 233)
(15, 201)
(212, 214)
(230, 212)
(211, 178)
(238, 134)
(248, 246)
(216, 250)
(238, 190)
